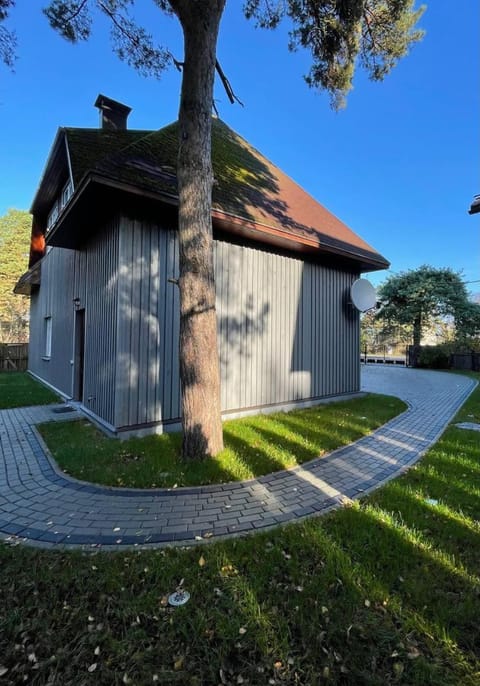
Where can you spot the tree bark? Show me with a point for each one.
(199, 363)
(417, 330)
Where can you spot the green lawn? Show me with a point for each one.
(19, 389)
(253, 446)
(384, 592)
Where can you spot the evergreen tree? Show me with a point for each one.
(418, 296)
(15, 228)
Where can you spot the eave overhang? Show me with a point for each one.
(55, 174)
(28, 282)
(98, 195)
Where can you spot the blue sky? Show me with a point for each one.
(399, 165)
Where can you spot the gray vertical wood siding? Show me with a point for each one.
(92, 276)
(147, 376)
(286, 330)
(54, 299)
(97, 279)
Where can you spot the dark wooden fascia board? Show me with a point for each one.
(253, 231)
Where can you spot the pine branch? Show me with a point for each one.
(227, 85)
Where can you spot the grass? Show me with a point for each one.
(253, 446)
(19, 389)
(384, 592)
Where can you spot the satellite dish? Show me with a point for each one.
(363, 295)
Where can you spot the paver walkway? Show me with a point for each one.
(41, 506)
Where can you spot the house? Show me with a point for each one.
(103, 264)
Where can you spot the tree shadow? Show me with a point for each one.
(248, 453)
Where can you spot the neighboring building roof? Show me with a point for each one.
(475, 206)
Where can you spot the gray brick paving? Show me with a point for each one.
(41, 506)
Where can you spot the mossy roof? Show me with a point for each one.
(247, 186)
(87, 146)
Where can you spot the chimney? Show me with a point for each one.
(113, 115)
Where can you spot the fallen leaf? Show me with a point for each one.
(367, 603)
(92, 667)
(242, 630)
(97, 650)
(201, 561)
(3, 670)
(178, 664)
(413, 653)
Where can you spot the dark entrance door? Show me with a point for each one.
(79, 355)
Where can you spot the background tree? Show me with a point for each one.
(418, 296)
(8, 40)
(15, 228)
(380, 337)
(338, 34)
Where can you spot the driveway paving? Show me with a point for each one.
(42, 506)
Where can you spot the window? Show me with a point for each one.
(59, 204)
(66, 193)
(53, 216)
(48, 337)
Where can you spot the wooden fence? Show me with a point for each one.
(470, 361)
(13, 357)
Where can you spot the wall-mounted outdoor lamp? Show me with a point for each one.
(76, 303)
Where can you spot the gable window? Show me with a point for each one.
(53, 216)
(48, 337)
(59, 204)
(66, 193)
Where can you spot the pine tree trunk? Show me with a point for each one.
(199, 363)
(417, 330)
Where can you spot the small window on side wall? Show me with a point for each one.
(48, 337)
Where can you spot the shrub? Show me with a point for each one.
(435, 357)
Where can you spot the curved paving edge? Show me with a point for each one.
(40, 506)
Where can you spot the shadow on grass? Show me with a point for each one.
(255, 458)
(343, 596)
